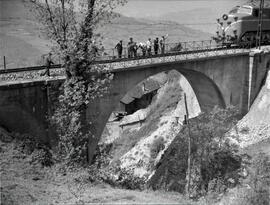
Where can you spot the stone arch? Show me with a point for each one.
(16, 119)
(205, 89)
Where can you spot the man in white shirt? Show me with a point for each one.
(149, 46)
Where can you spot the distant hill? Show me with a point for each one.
(123, 28)
(24, 43)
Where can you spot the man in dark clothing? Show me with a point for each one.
(48, 64)
(130, 47)
(119, 48)
(156, 46)
(134, 49)
(149, 46)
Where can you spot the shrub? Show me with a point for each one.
(157, 146)
(254, 190)
(126, 179)
(259, 180)
(215, 162)
(102, 171)
(42, 156)
(213, 154)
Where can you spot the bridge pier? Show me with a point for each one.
(258, 68)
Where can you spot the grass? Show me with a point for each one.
(26, 183)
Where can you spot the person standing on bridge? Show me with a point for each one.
(119, 48)
(162, 44)
(48, 65)
(156, 46)
(130, 47)
(149, 46)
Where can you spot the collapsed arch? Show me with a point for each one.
(207, 93)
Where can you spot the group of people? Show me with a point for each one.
(158, 46)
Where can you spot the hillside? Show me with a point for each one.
(141, 29)
(21, 38)
(23, 42)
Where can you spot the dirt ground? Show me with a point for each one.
(23, 182)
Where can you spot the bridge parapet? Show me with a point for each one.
(35, 73)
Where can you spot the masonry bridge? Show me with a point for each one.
(217, 80)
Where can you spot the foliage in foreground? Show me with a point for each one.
(254, 189)
(72, 29)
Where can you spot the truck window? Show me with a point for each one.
(245, 10)
(256, 12)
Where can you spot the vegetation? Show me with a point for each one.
(212, 156)
(74, 40)
(254, 189)
(157, 146)
(215, 162)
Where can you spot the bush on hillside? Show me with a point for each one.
(102, 171)
(259, 180)
(156, 147)
(27, 145)
(42, 156)
(215, 163)
(255, 188)
(216, 159)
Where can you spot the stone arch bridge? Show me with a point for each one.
(217, 80)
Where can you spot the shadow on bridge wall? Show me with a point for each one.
(15, 119)
(24, 108)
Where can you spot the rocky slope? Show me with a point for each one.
(139, 148)
(255, 125)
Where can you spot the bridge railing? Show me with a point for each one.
(112, 54)
(173, 52)
(177, 52)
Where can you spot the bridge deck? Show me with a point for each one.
(35, 73)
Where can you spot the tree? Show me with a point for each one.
(71, 26)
